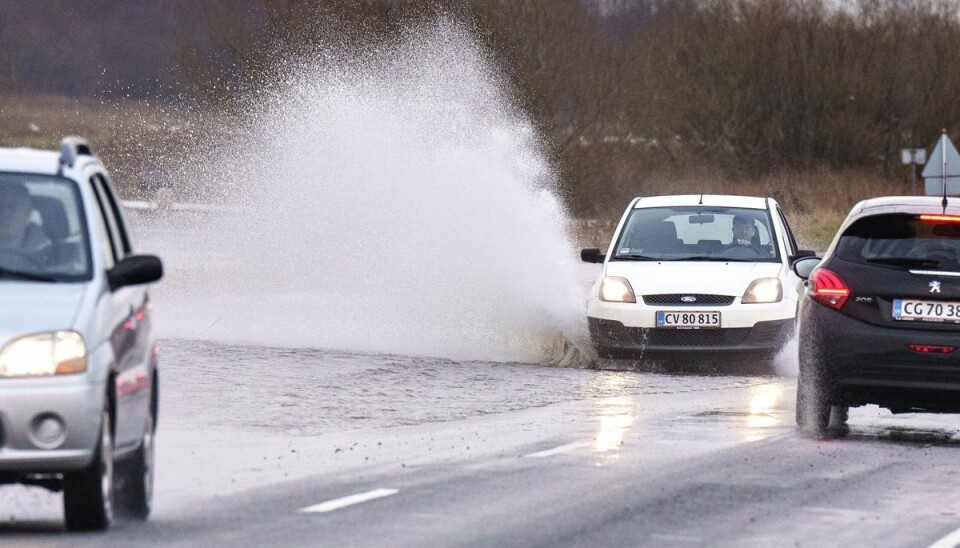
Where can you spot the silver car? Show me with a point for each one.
(78, 359)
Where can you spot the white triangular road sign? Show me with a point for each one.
(941, 175)
(944, 155)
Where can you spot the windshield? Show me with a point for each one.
(698, 233)
(42, 234)
(902, 240)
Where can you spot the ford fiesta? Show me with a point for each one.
(695, 274)
(880, 323)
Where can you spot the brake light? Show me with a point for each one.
(828, 289)
(931, 349)
(941, 218)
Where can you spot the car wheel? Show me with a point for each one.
(136, 475)
(813, 410)
(88, 494)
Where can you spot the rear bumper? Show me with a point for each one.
(75, 401)
(612, 338)
(866, 363)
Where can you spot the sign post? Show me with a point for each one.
(913, 157)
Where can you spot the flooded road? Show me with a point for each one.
(307, 392)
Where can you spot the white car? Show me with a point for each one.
(695, 274)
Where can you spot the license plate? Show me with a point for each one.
(926, 311)
(688, 319)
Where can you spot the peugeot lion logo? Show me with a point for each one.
(935, 286)
(692, 299)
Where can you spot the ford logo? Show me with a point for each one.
(688, 299)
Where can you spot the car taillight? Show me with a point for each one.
(940, 218)
(931, 349)
(827, 288)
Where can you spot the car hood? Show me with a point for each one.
(710, 278)
(29, 307)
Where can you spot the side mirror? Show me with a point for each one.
(801, 253)
(135, 270)
(591, 255)
(805, 265)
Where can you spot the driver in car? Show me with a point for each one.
(744, 232)
(17, 233)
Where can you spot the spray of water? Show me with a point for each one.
(393, 203)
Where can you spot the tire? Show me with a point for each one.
(813, 395)
(88, 494)
(817, 413)
(813, 411)
(137, 475)
(838, 420)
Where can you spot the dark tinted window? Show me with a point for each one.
(885, 239)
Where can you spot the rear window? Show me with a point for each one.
(902, 240)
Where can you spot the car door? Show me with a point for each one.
(129, 337)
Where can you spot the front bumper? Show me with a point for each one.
(76, 401)
(870, 364)
(613, 339)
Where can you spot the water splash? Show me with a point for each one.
(393, 203)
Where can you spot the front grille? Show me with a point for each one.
(700, 300)
(693, 337)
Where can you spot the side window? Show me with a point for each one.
(117, 212)
(103, 245)
(109, 222)
(791, 242)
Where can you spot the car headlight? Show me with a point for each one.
(764, 290)
(614, 289)
(53, 353)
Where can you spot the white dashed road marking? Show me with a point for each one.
(676, 538)
(557, 450)
(343, 502)
(950, 541)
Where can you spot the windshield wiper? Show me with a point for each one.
(638, 258)
(713, 258)
(904, 261)
(21, 275)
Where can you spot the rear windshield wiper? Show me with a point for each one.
(904, 261)
(21, 275)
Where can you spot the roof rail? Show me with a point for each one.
(71, 147)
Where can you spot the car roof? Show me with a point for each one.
(905, 204)
(29, 160)
(718, 200)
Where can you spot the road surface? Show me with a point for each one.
(267, 446)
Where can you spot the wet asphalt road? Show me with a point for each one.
(481, 454)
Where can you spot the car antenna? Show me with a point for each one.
(701, 199)
(943, 173)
